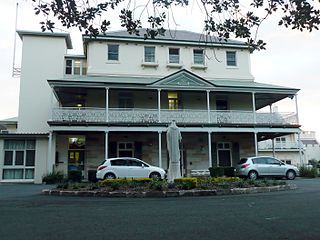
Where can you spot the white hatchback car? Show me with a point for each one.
(126, 167)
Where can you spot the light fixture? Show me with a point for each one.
(79, 105)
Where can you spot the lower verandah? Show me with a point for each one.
(86, 150)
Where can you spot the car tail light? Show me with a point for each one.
(245, 165)
(101, 167)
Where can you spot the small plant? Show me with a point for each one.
(157, 184)
(75, 176)
(53, 177)
(186, 183)
(308, 172)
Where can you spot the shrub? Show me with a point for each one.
(308, 172)
(222, 171)
(75, 176)
(53, 177)
(186, 183)
(159, 185)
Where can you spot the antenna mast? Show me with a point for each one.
(16, 72)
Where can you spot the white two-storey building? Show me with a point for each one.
(119, 97)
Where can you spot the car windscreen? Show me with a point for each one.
(243, 160)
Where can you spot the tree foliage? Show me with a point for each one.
(223, 19)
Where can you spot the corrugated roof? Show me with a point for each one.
(171, 36)
(134, 81)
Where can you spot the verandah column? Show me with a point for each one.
(159, 105)
(256, 143)
(106, 144)
(254, 108)
(49, 161)
(160, 147)
(107, 104)
(210, 151)
(208, 105)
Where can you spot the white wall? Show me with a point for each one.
(40, 159)
(42, 59)
(131, 56)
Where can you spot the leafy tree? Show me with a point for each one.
(223, 18)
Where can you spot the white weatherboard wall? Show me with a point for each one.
(41, 159)
(42, 58)
(131, 57)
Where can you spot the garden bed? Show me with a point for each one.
(145, 187)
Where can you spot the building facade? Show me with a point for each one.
(119, 97)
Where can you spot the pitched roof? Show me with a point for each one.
(173, 36)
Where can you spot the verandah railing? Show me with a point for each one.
(135, 115)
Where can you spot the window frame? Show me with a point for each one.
(145, 54)
(15, 166)
(116, 53)
(203, 63)
(82, 66)
(174, 56)
(231, 62)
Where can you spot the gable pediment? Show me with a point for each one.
(183, 79)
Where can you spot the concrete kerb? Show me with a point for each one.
(164, 194)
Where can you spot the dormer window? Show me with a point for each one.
(149, 54)
(198, 56)
(75, 67)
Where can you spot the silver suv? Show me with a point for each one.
(254, 167)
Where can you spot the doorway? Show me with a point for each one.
(224, 154)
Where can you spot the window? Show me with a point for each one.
(75, 67)
(19, 159)
(113, 52)
(231, 59)
(174, 55)
(198, 56)
(125, 149)
(221, 104)
(173, 100)
(125, 100)
(149, 54)
(260, 160)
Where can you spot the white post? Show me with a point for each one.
(49, 161)
(159, 105)
(300, 151)
(106, 144)
(255, 143)
(51, 106)
(209, 147)
(254, 108)
(297, 110)
(208, 105)
(107, 104)
(273, 148)
(160, 147)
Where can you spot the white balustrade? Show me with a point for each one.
(135, 115)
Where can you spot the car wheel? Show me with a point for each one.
(109, 176)
(291, 175)
(155, 175)
(252, 175)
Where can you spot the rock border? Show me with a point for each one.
(165, 194)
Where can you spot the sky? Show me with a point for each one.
(291, 59)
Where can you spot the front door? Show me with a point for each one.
(224, 154)
(224, 157)
(76, 153)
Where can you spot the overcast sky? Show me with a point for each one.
(291, 60)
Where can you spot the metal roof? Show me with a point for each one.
(67, 37)
(148, 81)
(170, 36)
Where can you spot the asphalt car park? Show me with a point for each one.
(293, 214)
